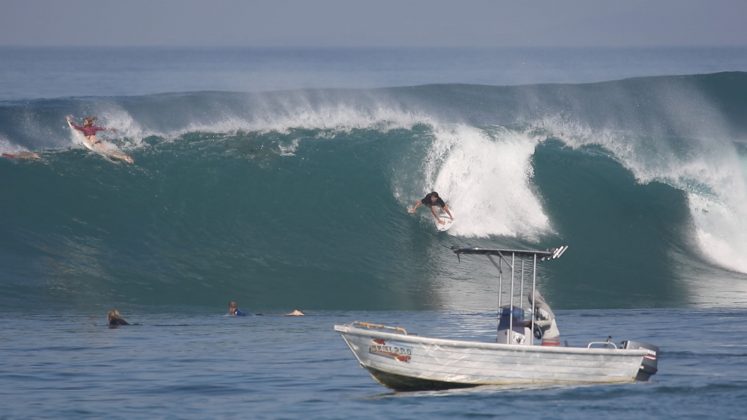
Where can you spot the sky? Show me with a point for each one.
(374, 23)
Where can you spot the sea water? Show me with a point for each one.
(173, 364)
(280, 178)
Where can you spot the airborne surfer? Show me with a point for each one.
(430, 200)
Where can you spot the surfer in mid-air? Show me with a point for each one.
(430, 200)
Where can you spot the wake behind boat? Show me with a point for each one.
(406, 362)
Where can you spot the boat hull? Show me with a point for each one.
(407, 362)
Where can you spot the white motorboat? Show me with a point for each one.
(404, 361)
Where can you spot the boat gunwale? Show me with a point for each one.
(349, 329)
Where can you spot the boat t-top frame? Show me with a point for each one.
(509, 256)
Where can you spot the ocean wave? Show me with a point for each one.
(299, 198)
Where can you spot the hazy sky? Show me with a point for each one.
(476, 23)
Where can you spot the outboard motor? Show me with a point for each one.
(650, 361)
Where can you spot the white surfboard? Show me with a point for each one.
(102, 148)
(447, 223)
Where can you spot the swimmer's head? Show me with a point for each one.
(233, 307)
(113, 314)
(89, 120)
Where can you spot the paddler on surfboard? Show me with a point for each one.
(430, 200)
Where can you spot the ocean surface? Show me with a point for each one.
(173, 365)
(280, 178)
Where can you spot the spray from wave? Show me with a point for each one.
(487, 174)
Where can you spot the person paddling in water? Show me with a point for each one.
(233, 309)
(115, 319)
(430, 200)
(88, 129)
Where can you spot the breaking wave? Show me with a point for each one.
(298, 198)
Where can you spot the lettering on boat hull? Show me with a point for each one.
(379, 347)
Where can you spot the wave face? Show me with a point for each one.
(297, 198)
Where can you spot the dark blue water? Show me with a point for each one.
(197, 366)
(281, 178)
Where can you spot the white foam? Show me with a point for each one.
(128, 131)
(290, 149)
(6, 146)
(486, 177)
(340, 118)
(721, 231)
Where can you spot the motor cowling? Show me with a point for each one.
(649, 365)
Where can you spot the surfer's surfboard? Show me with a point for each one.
(22, 155)
(447, 223)
(103, 148)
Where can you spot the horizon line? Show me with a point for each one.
(364, 47)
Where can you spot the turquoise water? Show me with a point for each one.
(281, 178)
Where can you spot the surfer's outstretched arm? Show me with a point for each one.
(446, 209)
(73, 124)
(414, 208)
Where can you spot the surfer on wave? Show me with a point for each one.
(430, 200)
(88, 129)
